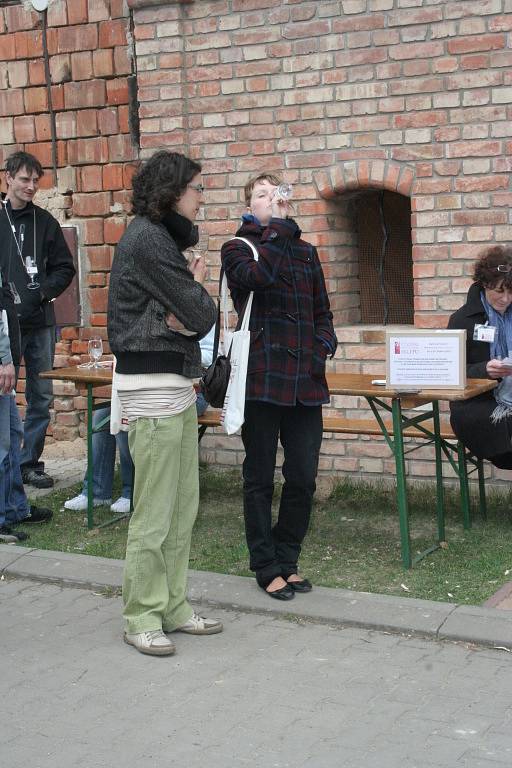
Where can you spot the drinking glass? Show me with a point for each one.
(284, 192)
(95, 350)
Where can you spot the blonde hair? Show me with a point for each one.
(270, 177)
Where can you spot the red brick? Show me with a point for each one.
(123, 115)
(11, 102)
(129, 171)
(476, 43)
(92, 231)
(121, 148)
(107, 121)
(122, 62)
(77, 95)
(113, 176)
(100, 258)
(57, 14)
(114, 228)
(481, 183)
(36, 73)
(29, 45)
(479, 218)
(78, 38)
(86, 122)
(103, 62)
(98, 298)
(117, 91)
(90, 178)
(358, 23)
(60, 68)
(7, 48)
(77, 12)
(43, 127)
(81, 65)
(112, 33)
(88, 151)
(24, 129)
(36, 100)
(92, 204)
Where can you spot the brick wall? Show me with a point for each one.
(412, 96)
(90, 62)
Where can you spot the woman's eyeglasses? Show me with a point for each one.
(198, 188)
(503, 268)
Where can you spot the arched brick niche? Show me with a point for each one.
(370, 255)
(366, 174)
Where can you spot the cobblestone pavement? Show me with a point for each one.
(267, 693)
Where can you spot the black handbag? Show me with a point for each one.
(214, 381)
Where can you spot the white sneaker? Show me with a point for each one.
(154, 643)
(79, 503)
(121, 506)
(198, 625)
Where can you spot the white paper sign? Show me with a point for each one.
(418, 360)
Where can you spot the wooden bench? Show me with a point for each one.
(340, 425)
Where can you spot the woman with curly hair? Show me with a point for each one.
(484, 423)
(157, 312)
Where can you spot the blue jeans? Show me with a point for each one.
(104, 455)
(104, 458)
(14, 506)
(38, 349)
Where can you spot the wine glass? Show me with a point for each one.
(95, 350)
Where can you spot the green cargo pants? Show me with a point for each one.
(165, 502)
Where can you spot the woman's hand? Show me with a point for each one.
(280, 208)
(498, 369)
(198, 268)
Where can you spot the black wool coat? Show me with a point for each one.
(470, 419)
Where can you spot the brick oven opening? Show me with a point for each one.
(383, 223)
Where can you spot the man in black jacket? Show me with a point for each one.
(38, 267)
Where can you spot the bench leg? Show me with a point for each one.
(439, 473)
(464, 485)
(90, 507)
(481, 488)
(401, 489)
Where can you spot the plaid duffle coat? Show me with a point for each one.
(291, 322)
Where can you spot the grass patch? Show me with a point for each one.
(353, 541)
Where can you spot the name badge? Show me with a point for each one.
(484, 333)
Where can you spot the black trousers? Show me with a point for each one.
(274, 550)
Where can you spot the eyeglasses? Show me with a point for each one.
(503, 268)
(198, 188)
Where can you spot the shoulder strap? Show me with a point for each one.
(251, 246)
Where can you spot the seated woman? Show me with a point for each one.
(484, 423)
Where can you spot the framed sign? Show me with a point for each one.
(425, 359)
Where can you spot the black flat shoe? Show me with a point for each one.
(285, 593)
(300, 586)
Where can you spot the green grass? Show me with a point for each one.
(353, 541)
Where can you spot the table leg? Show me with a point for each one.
(464, 485)
(90, 521)
(439, 472)
(401, 489)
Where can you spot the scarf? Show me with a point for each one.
(500, 350)
(181, 229)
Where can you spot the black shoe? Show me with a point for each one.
(38, 515)
(37, 478)
(285, 593)
(9, 535)
(301, 586)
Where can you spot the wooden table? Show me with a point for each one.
(352, 384)
(89, 378)
(360, 385)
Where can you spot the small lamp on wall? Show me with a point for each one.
(39, 5)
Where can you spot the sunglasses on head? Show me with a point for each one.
(503, 268)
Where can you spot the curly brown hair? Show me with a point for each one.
(487, 273)
(160, 182)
